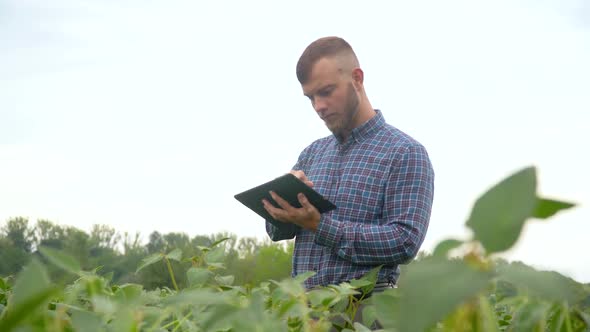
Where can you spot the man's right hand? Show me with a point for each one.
(301, 176)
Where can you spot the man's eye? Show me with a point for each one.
(325, 92)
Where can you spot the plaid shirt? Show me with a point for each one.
(382, 183)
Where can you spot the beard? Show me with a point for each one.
(343, 125)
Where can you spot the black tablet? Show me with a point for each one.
(286, 186)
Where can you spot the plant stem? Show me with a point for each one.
(182, 321)
(568, 323)
(171, 273)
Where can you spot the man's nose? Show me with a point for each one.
(320, 105)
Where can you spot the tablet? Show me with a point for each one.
(286, 186)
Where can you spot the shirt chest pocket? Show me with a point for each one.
(363, 194)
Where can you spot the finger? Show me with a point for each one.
(301, 176)
(273, 211)
(305, 202)
(280, 201)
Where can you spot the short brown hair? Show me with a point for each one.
(323, 47)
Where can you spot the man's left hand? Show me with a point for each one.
(307, 216)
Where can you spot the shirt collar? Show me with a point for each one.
(368, 128)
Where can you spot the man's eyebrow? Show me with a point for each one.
(324, 87)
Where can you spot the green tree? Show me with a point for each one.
(19, 233)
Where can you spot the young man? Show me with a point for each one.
(380, 179)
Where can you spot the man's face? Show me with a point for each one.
(333, 96)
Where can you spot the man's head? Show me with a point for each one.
(329, 73)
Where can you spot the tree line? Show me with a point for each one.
(118, 256)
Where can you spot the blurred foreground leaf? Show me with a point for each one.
(61, 259)
(499, 214)
(428, 291)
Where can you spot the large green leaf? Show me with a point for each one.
(128, 293)
(498, 215)
(585, 317)
(322, 297)
(31, 293)
(366, 283)
(443, 247)
(197, 277)
(61, 259)
(548, 285)
(531, 316)
(199, 296)
(175, 254)
(83, 320)
(33, 279)
(151, 259)
(15, 314)
(215, 255)
(429, 290)
(546, 208)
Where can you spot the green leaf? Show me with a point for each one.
(16, 313)
(225, 280)
(31, 293)
(498, 216)
(32, 280)
(103, 305)
(369, 315)
(358, 283)
(558, 319)
(546, 208)
(345, 289)
(215, 266)
(583, 316)
(322, 297)
(300, 278)
(197, 277)
(215, 255)
(61, 259)
(130, 292)
(429, 290)
(443, 247)
(504, 290)
(358, 327)
(291, 287)
(219, 242)
(530, 316)
(487, 317)
(124, 320)
(199, 296)
(175, 254)
(371, 277)
(387, 304)
(548, 285)
(151, 259)
(86, 321)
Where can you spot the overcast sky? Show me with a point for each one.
(151, 115)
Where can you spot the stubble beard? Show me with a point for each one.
(344, 126)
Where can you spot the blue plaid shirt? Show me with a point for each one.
(382, 183)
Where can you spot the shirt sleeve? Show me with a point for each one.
(397, 237)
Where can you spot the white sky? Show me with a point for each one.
(151, 115)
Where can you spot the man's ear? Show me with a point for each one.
(358, 77)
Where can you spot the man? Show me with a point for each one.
(380, 179)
